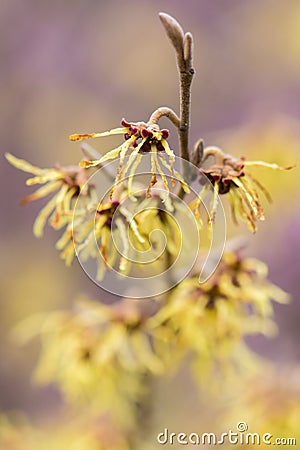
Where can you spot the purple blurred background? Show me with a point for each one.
(81, 66)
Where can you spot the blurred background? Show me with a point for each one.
(81, 66)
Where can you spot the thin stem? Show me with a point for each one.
(198, 153)
(183, 45)
(164, 111)
(186, 77)
(216, 152)
(197, 158)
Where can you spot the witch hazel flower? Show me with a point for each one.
(64, 183)
(110, 222)
(229, 175)
(139, 138)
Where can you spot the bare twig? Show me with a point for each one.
(198, 153)
(216, 152)
(183, 45)
(164, 111)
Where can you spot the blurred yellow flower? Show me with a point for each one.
(102, 352)
(96, 353)
(211, 319)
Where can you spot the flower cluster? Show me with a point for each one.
(104, 356)
(139, 138)
(69, 186)
(229, 175)
(103, 352)
(95, 230)
(74, 206)
(212, 319)
(97, 353)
